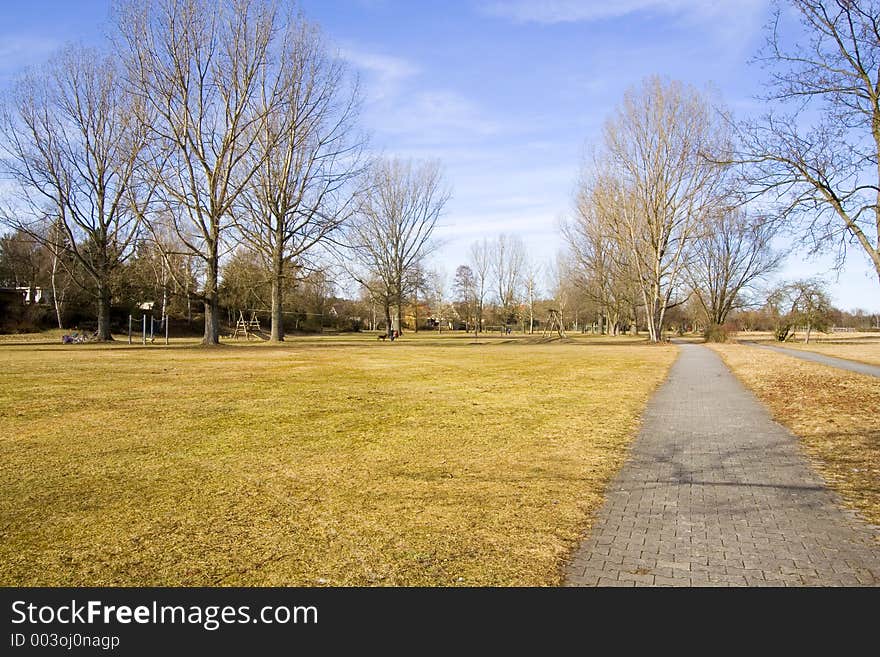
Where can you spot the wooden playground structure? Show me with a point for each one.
(554, 323)
(248, 327)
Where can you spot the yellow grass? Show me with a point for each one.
(863, 352)
(50, 336)
(863, 347)
(340, 460)
(835, 412)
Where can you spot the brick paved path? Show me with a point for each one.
(840, 363)
(716, 493)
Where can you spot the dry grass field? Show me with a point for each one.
(861, 351)
(835, 412)
(861, 347)
(332, 460)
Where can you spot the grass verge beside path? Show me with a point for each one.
(835, 413)
(348, 462)
(865, 352)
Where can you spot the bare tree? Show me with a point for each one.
(205, 70)
(600, 261)
(161, 266)
(481, 265)
(465, 288)
(73, 138)
(417, 286)
(802, 303)
(307, 155)
(392, 230)
(560, 282)
(61, 268)
(531, 274)
(507, 259)
(817, 161)
(730, 256)
(175, 270)
(660, 185)
(438, 285)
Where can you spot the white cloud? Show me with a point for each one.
(537, 229)
(386, 74)
(520, 222)
(18, 51)
(404, 109)
(569, 11)
(437, 116)
(727, 28)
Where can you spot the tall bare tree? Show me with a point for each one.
(507, 255)
(600, 260)
(73, 137)
(206, 70)
(531, 273)
(307, 156)
(438, 287)
(732, 254)
(815, 152)
(465, 288)
(481, 266)
(560, 283)
(657, 161)
(61, 267)
(392, 230)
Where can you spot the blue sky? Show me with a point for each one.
(507, 94)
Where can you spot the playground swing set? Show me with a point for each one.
(163, 324)
(554, 323)
(248, 327)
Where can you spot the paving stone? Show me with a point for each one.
(716, 493)
(636, 578)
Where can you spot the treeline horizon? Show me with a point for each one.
(315, 300)
(214, 151)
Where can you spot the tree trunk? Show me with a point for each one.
(55, 300)
(164, 292)
(211, 335)
(212, 297)
(189, 308)
(277, 334)
(104, 313)
(388, 329)
(653, 314)
(661, 315)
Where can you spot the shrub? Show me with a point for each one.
(717, 332)
(782, 332)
